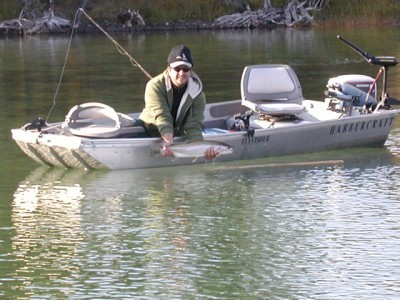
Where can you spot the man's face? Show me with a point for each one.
(179, 75)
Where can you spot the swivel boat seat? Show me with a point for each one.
(272, 90)
(98, 120)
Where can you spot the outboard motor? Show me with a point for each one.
(353, 90)
(385, 62)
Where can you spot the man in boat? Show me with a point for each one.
(175, 102)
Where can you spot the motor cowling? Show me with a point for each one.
(358, 90)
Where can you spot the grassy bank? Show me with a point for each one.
(337, 12)
(348, 13)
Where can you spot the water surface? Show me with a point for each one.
(323, 231)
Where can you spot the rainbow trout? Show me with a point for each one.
(196, 149)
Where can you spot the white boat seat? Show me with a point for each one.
(98, 120)
(271, 89)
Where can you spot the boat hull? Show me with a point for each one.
(134, 153)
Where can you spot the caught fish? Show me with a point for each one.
(196, 149)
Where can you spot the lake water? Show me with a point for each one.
(323, 231)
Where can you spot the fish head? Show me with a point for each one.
(223, 148)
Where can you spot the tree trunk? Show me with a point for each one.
(267, 5)
(48, 8)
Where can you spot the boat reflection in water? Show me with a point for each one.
(130, 232)
(46, 215)
(72, 226)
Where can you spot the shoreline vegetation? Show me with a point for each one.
(57, 16)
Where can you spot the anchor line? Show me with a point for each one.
(120, 49)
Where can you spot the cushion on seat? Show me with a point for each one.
(271, 89)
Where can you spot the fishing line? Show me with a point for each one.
(120, 49)
(63, 68)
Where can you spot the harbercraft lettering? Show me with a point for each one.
(361, 126)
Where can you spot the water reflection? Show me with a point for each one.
(287, 231)
(47, 222)
(393, 143)
(134, 228)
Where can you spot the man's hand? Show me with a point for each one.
(168, 140)
(165, 151)
(210, 153)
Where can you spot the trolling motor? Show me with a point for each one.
(385, 62)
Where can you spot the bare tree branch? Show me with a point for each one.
(295, 12)
(36, 16)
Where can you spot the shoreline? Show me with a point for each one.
(89, 28)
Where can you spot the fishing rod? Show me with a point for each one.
(120, 49)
